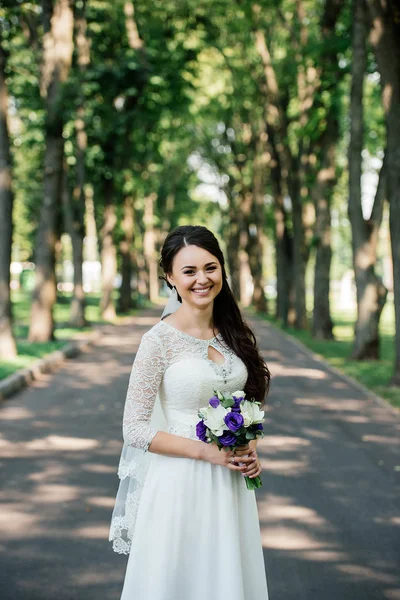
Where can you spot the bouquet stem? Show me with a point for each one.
(254, 483)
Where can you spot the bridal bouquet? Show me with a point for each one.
(230, 420)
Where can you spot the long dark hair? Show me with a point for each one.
(226, 314)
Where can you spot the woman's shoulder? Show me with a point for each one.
(156, 334)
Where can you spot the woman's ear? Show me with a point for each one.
(170, 281)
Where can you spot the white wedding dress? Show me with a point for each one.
(191, 528)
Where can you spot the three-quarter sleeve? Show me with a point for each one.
(147, 372)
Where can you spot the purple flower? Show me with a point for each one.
(257, 426)
(214, 401)
(234, 421)
(236, 406)
(227, 438)
(201, 430)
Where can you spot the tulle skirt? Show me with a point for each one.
(197, 535)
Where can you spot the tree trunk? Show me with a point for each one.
(8, 349)
(299, 255)
(326, 177)
(108, 253)
(371, 293)
(57, 56)
(284, 253)
(125, 295)
(150, 247)
(75, 227)
(385, 40)
(256, 223)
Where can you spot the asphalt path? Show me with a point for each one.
(329, 507)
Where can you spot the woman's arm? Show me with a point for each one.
(147, 372)
(176, 445)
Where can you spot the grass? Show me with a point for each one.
(375, 375)
(29, 352)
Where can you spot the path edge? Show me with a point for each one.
(334, 370)
(23, 378)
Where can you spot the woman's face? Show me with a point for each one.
(197, 276)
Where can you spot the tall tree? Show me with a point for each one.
(371, 293)
(385, 40)
(76, 205)
(56, 63)
(7, 343)
(329, 77)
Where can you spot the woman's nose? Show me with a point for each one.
(202, 277)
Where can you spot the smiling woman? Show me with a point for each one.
(171, 509)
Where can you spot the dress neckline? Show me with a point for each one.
(218, 336)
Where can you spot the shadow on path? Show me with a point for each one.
(329, 508)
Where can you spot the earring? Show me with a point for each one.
(173, 291)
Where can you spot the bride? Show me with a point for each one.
(183, 511)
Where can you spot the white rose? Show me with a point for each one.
(239, 394)
(251, 413)
(214, 419)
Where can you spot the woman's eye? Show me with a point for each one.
(190, 272)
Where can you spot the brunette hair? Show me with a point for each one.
(226, 313)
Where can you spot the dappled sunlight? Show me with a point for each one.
(52, 470)
(103, 501)
(316, 433)
(379, 439)
(94, 532)
(289, 538)
(15, 523)
(322, 501)
(54, 493)
(15, 413)
(286, 468)
(52, 443)
(285, 443)
(359, 573)
(98, 468)
(288, 371)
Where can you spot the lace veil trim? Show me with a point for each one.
(132, 471)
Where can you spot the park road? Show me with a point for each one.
(329, 507)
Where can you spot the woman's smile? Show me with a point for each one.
(202, 291)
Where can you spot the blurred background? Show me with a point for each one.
(274, 123)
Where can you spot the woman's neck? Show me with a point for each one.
(195, 320)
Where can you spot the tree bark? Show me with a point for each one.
(108, 253)
(285, 311)
(277, 127)
(150, 247)
(73, 226)
(322, 322)
(57, 56)
(385, 40)
(256, 223)
(125, 295)
(371, 293)
(233, 235)
(77, 206)
(326, 176)
(8, 349)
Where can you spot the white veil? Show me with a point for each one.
(132, 470)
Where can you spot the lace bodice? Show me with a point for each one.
(176, 366)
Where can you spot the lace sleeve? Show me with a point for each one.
(147, 372)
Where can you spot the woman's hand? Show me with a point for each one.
(227, 458)
(253, 468)
(231, 459)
